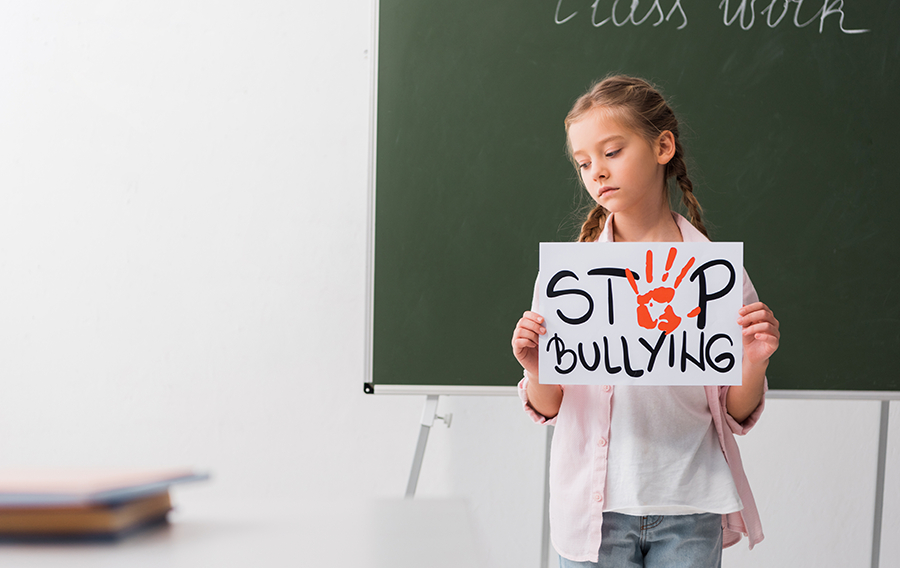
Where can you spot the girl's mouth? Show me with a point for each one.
(605, 190)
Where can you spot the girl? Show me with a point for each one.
(644, 476)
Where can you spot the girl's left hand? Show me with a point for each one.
(760, 332)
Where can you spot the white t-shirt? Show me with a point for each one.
(664, 456)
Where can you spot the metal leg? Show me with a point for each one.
(879, 482)
(428, 415)
(545, 531)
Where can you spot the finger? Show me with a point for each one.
(756, 316)
(766, 338)
(533, 316)
(755, 309)
(761, 323)
(763, 335)
(526, 334)
(759, 329)
(522, 347)
(762, 351)
(531, 325)
(752, 308)
(765, 343)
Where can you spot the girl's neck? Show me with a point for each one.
(660, 226)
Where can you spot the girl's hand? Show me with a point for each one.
(760, 333)
(525, 341)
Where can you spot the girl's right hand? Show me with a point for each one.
(525, 341)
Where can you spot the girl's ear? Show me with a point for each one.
(665, 147)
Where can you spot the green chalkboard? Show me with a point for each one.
(793, 137)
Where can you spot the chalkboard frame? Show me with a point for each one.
(426, 388)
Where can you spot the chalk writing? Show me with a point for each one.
(741, 11)
(614, 12)
(746, 17)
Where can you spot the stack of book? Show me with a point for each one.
(85, 504)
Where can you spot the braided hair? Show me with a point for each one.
(641, 107)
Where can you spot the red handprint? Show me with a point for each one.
(668, 321)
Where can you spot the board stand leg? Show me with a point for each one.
(879, 482)
(429, 413)
(545, 527)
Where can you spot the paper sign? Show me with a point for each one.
(641, 313)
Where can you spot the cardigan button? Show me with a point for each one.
(602, 442)
(607, 388)
(598, 497)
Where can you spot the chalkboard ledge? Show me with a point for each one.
(453, 390)
(832, 395)
(441, 390)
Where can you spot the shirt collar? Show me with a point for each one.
(689, 233)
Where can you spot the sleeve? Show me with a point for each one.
(529, 410)
(523, 384)
(750, 296)
(741, 428)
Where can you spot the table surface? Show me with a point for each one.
(377, 534)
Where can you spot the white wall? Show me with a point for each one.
(183, 195)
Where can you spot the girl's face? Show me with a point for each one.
(620, 170)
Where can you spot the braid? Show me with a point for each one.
(593, 226)
(642, 108)
(678, 168)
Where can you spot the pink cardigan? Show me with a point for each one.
(579, 453)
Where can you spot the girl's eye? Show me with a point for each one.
(613, 153)
(583, 166)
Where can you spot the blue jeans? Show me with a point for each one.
(671, 541)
